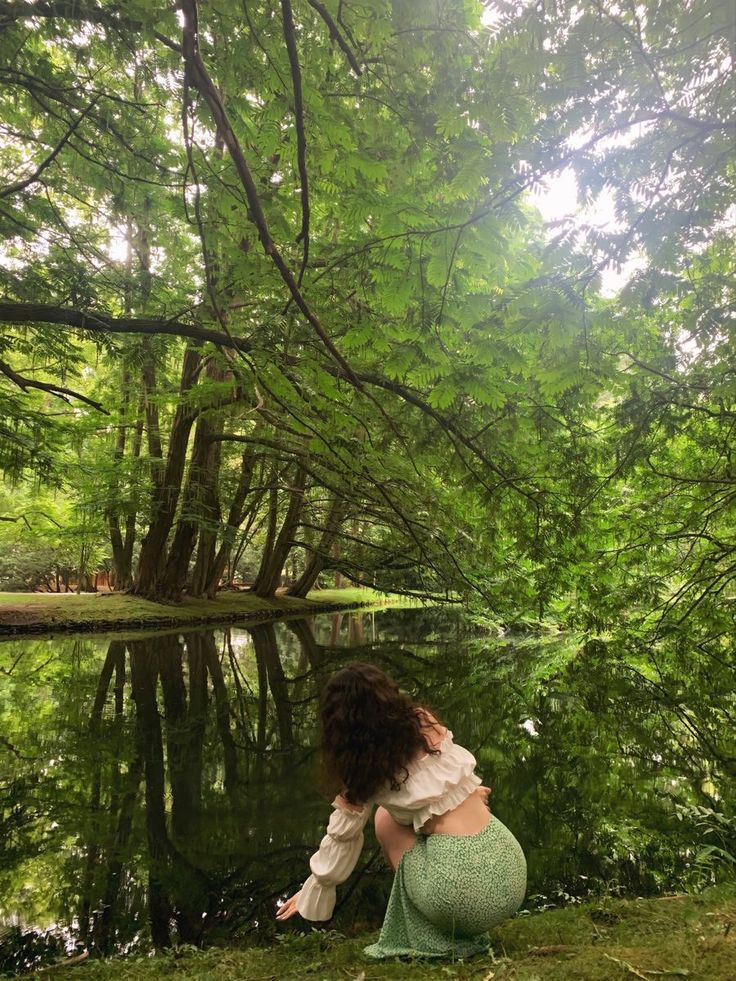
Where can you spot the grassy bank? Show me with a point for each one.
(22, 613)
(611, 940)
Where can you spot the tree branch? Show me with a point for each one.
(32, 178)
(33, 313)
(72, 10)
(301, 137)
(336, 35)
(56, 390)
(200, 79)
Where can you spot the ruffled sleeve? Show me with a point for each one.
(333, 862)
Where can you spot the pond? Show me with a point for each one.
(165, 788)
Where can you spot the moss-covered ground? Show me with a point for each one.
(22, 613)
(611, 940)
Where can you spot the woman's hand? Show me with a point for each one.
(289, 907)
(485, 793)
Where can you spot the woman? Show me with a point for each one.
(458, 869)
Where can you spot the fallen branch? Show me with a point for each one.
(680, 972)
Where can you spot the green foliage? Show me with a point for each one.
(513, 435)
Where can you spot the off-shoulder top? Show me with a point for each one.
(436, 783)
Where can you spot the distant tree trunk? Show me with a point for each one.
(123, 540)
(273, 516)
(253, 525)
(277, 550)
(153, 426)
(166, 493)
(174, 575)
(209, 567)
(206, 546)
(113, 519)
(200, 512)
(319, 558)
(126, 569)
(84, 579)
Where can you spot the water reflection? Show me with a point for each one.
(164, 788)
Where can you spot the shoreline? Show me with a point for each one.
(44, 613)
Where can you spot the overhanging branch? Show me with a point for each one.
(58, 391)
(301, 137)
(336, 35)
(102, 323)
(199, 78)
(21, 185)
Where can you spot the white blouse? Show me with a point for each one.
(437, 783)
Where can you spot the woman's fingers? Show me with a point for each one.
(288, 909)
(485, 793)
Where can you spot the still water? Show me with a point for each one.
(165, 788)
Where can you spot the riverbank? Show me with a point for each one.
(32, 613)
(686, 936)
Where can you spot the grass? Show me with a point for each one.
(612, 940)
(22, 613)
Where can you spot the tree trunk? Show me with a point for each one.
(275, 556)
(113, 519)
(200, 512)
(166, 494)
(205, 580)
(123, 540)
(319, 558)
(174, 576)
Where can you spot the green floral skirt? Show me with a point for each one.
(449, 890)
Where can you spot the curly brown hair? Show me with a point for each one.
(370, 731)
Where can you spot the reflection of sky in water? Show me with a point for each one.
(167, 789)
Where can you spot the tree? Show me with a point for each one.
(341, 228)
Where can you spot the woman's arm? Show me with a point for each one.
(331, 864)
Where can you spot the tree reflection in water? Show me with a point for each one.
(164, 788)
